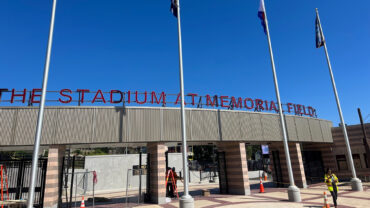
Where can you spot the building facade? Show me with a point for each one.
(358, 147)
(311, 141)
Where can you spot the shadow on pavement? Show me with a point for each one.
(199, 192)
(265, 185)
(131, 201)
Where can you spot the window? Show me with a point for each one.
(357, 161)
(171, 149)
(342, 162)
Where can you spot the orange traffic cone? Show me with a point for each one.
(83, 202)
(326, 204)
(264, 173)
(262, 189)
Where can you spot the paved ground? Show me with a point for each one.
(274, 197)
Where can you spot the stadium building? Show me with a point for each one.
(228, 125)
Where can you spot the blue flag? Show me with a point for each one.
(262, 16)
(319, 38)
(174, 6)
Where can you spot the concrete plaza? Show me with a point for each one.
(273, 197)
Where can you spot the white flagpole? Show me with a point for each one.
(356, 183)
(293, 190)
(186, 200)
(31, 193)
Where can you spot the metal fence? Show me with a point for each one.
(18, 174)
(76, 187)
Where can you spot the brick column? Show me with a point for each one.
(54, 168)
(157, 172)
(297, 165)
(296, 161)
(236, 167)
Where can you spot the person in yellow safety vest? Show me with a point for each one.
(331, 181)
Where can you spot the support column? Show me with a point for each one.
(157, 171)
(297, 164)
(53, 171)
(236, 167)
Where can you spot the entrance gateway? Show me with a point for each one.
(155, 127)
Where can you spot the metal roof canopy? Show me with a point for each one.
(100, 125)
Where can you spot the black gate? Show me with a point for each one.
(68, 179)
(313, 166)
(147, 194)
(222, 173)
(19, 174)
(277, 169)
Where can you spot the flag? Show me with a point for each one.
(261, 15)
(319, 37)
(174, 6)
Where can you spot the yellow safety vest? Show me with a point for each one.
(328, 181)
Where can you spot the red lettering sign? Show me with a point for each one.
(129, 97)
(178, 99)
(1, 91)
(273, 106)
(238, 104)
(224, 101)
(212, 103)
(23, 95)
(259, 104)
(118, 96)
(192, 98)
(162, 97)
(246, 104)
(112, 92)
(137, 100)
(101, 96)
(82, 93)
(64, 95)
(33, 95)
(289, 107)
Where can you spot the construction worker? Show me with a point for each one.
(169, 182)
(331, 181)
(171, 178)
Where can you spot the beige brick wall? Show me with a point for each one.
(54, 168)
(157, 172)
(237, 167)
(296, 161)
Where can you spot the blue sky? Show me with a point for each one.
(132, 45)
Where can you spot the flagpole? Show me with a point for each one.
(31, 193)
(356, 183)
(293, 190)
(186, 201)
